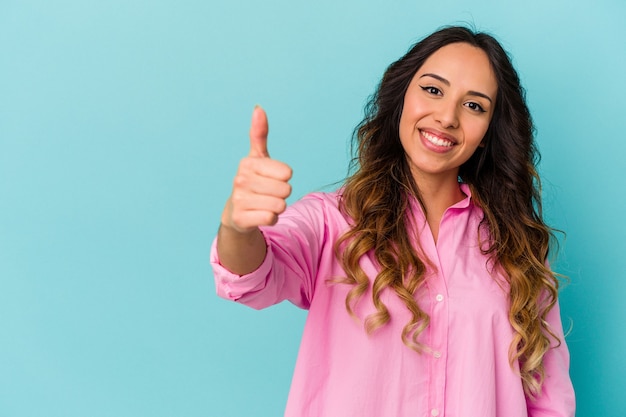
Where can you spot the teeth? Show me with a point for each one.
(436, 141)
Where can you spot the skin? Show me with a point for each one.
(449, 100)
(260, 189)
(446, 112)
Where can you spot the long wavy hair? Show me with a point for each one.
(504, 184)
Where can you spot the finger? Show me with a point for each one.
(265, 167)
(250, 219)
(257, 212)
(262, 185)
(243, 202)
(258, 134)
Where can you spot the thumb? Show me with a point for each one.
(258, 133)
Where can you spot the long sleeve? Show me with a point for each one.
(289, 269)
(557, 398)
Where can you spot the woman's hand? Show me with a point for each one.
(260, 190)
(261, 186)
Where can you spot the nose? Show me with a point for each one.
(446, 114)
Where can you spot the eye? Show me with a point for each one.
(431, 90)
(475, 107)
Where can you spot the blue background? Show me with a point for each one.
(121, 126)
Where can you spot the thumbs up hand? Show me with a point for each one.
(261, 186)
(258, 134)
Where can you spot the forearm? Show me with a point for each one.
(240, 252)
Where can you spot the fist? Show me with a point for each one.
(261, 186)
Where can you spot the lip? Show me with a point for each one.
(451, 140)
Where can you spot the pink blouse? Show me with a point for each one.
(342, 371)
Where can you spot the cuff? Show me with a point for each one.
(233, 286)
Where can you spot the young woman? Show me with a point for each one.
(425, 275)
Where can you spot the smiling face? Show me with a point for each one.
(447, 109)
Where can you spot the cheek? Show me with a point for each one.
(477, 132)
(412, 113)
(406, 110)
(405, 126)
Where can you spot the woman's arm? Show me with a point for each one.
(259, 195)
(557, 397)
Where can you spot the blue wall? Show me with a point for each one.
(121, 126)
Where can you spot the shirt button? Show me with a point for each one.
(434, 412)
(439, 297)
(437, 355)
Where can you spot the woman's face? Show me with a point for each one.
(447, 109)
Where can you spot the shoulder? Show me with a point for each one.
(327, 199)
(318, 202)
(318, 209)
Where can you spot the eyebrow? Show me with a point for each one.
(446, 82)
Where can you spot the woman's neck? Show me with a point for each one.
(438, 194)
